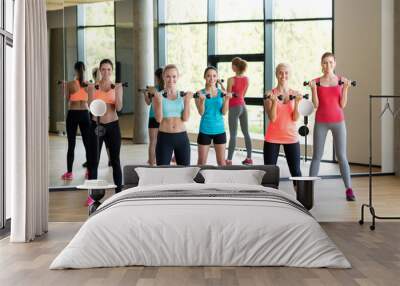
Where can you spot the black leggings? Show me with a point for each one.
(173, 142)
(112, 139)
(292, 152)
(77, 118)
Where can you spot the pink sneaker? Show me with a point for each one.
(350, 195)
(247, 161)
(89, 201)
(228, 162)
(67, 176)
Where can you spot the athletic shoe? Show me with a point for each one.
(89, 201)
(228, 162)
(67, 176)
(247, 161)
(350, 195)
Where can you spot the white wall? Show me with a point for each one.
(361, 55)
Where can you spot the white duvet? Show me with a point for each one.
(188, 231)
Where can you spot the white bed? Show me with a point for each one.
(201, 225)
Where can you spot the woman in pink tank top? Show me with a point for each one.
(329, 95)
(283, 114)
(238, 85)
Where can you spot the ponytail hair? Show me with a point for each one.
(79, 68)
(158, 74)
(240, 63)
(95, 74)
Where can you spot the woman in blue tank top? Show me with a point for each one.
(212, 105)
(153, 124)
(171, 110)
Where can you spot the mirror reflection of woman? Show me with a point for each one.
(112, 95)
(78, 115)
(153, 125)
(238, 85)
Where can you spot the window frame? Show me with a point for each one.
(80, 32)
(6, 40)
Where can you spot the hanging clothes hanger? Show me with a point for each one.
(387, 107)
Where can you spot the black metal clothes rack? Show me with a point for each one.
(370, 203)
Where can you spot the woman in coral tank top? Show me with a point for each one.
(330, 98)
(283, 114)
(238, 85)
(78, 115)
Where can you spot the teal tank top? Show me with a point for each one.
(172, 108)
(212, 120)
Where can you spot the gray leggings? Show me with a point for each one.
(339, 142)
(235, 113)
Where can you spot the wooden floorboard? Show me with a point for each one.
(374, 255)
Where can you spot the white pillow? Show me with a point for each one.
(166, 176)
(248, 177)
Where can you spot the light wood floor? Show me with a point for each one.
(375, 258)
(374, 255)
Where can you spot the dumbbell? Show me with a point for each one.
(307, 83)
(197, 95)
(124, 84)
(220, 82)
(280, 97)
(352, 82)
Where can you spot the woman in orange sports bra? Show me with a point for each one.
(78, 115)
(112, 95)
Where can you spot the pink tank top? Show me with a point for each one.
(283, 130)
(240, 84)
(329, 110)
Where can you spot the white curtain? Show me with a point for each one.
(27, 124)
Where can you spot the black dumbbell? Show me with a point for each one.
(307, 83)
(280, 97)
(124, 84)
(352, 82)
(197, 95)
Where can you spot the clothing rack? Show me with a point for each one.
(370, 203)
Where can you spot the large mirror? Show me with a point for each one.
(90, 30)
(85, 31)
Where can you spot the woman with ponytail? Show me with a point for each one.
(78, 115)
(237, 85)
